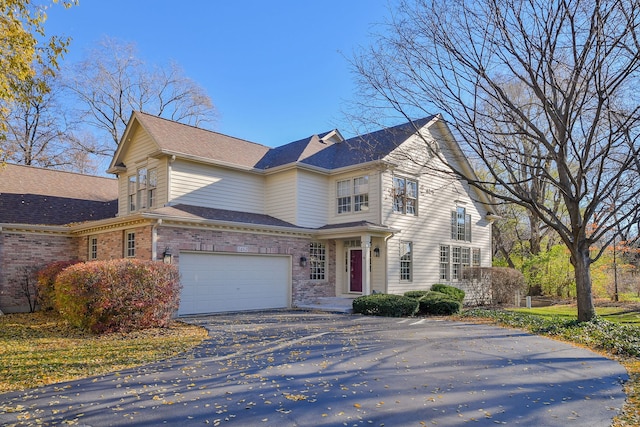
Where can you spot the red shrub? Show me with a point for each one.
(118, 295)
(46, 278)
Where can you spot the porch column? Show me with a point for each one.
(366, 263)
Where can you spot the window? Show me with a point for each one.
(152, 184)
(353, 195)
(344, 196)
(460, 225)
(466, 257)
(130, 244)
(93, 248)
(456, 266)
(405, 260)
(142, 189)
(317, 261)
(132, 193)
(405, 196)
(361, 194)
(476, 257)
(444, 262)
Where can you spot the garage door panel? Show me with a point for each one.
(230, 282)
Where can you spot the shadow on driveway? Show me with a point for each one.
(292, 368)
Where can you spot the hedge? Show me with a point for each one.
(386, 305)
(415, 294)
(118, 295)
(455, 293)
(440, 304)
(46, 278)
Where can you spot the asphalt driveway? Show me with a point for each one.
(317, 369)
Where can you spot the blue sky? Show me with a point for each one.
(276, 70)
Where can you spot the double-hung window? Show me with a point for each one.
(406, 249)
(405, 196)
(444, 262)
(361, 194)
(460, 225)
(130, 244)
(456, 263)
(93, 248)
(352, 195)
(317, 261)
(142, 189)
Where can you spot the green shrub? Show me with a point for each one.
(415, 294)
(440, 304)
(118, 295)
(46, 278)
(385, 305)
(455, 293)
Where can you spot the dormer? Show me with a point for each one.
(331, 137)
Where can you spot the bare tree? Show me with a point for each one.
(575, 130)
(112, 81)
(39, 131)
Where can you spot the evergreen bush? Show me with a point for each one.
(385, 305)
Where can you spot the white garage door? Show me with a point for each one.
(214, 283)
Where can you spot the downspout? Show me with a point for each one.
(154, 239)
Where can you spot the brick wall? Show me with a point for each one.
(303, 290)
(27, 251)
(111, 244)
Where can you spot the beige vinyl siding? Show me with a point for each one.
(372, 215)
(210, 186)
(437, 197)
(280, 195)
(136, 157)
(311, 199)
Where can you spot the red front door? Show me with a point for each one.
(355, 276)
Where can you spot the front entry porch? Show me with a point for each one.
(330, 304)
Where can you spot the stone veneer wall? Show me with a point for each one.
(20, 251)
(303, 290)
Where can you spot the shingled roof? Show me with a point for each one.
(180, 139)
(30, 195)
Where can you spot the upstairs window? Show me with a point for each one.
(361, 194)
(132, 191)
(352, 195)
(152, 184)
(405, 196)
(142, 189)
(460, 225)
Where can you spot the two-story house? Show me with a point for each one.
(252, 227)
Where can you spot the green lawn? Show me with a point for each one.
(612, 314)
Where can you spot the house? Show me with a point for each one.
(253, 227)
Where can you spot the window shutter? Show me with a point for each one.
(467, 227)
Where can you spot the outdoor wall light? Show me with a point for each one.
(166, 255)
(376, 252)
(303, 261)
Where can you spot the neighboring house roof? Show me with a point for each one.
(30, 195)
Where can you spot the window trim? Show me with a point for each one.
(460, 225)
(129, 244)
(349, 195)
(93, 248)
(401, 199)
(317, 261)
(406, 265)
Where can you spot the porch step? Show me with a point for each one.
(330, 304)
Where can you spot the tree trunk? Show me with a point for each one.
(582, 262)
